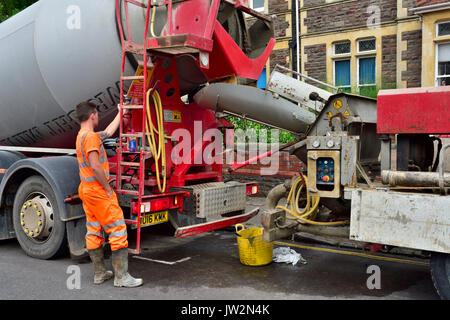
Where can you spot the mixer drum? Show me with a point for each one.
(57, 53)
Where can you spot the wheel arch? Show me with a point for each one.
(60, 172)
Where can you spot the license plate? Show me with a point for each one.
(151, 219)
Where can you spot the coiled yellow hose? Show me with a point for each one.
(309, 213)
(158, 149)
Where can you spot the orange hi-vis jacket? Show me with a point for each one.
(88, 141)
(102, 213)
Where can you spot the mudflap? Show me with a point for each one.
(187, 231)
(76, 232)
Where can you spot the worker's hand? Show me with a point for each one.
(109, 192)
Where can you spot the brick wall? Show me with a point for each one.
(277, 6)
(409, 4)
(413, 57)
(285, 167)
(280, 26)
(316, 64)
(281, 57)
(347, 14)
(389, 61)
(278, 10)
(312, 3)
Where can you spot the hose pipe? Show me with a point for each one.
(308, 214)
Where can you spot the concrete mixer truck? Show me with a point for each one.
(146, 59)
(375, 170)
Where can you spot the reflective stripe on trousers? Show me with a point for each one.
(102, 214)
(95, 229)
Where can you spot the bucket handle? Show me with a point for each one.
(239, 227)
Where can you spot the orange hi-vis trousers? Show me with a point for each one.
(102, 213)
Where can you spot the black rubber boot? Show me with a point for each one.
(120, 265)
(100, 272)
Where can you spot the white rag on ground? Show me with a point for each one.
(286, 254)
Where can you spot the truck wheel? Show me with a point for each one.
(37, 224)
(440, 273)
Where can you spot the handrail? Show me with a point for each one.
(306, 77)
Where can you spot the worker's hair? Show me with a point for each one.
(84, 110)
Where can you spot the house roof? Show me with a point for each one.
(425, 6)
(424, 3)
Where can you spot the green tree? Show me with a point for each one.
(8, 8)
(239, 123)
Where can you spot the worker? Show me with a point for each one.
(100, 203)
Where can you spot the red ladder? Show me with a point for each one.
(139, 49)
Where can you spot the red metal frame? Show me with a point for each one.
(192, 28)
(227, 58)
(414, 110)
(129, 46)
(214, 225)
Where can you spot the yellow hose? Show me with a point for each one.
(312, 203)
(152, 24)
(158, 149)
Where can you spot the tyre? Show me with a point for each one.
(440, 273)
(36, 219)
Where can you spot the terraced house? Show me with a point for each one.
(363, 45)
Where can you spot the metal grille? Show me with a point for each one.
(367, 45)
(217, 198)
(443, 29)
(342, 47)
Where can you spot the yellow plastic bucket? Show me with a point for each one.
(253, 251)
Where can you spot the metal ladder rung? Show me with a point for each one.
(133, 135)
(132, 78)
(139, 51)
(131, 106)
(129, 192)
(131, 164)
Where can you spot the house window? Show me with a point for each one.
(443, 64)
(366, 75)
(342, 48)
(342, 74)
(257, 5)
(367, 45)
(443, 29)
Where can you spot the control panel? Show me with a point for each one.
(324, 172)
